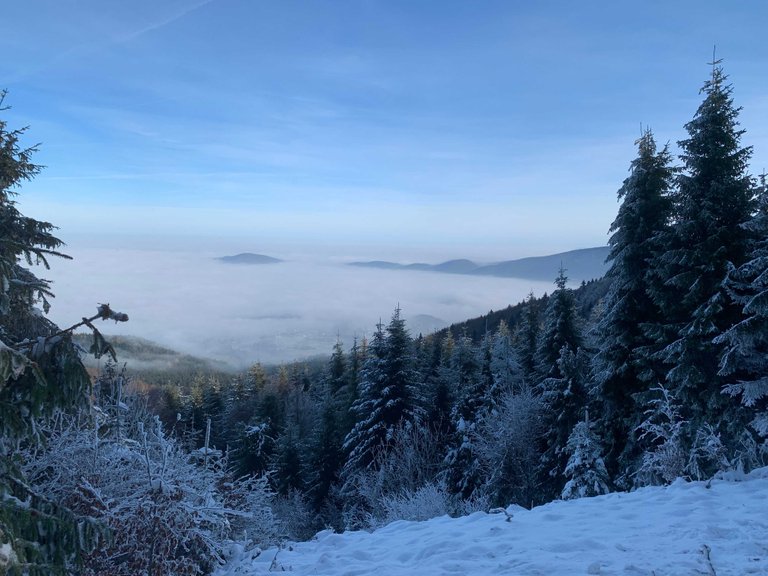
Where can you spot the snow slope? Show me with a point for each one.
(660, 531)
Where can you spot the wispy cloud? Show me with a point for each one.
(161, 22)
(96, 40)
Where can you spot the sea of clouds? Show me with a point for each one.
(186, 299)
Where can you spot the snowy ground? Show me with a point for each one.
(683, 529)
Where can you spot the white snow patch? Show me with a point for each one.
(675, 530)
(7, 556)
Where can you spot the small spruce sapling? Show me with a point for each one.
(585, 470)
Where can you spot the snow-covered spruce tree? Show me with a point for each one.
(387, 398)
(349, 394)
(288, 466)
(562, 327)
(585, 470)
(254, 452)
(623, 364)
(564, 397)
(485, 358)
(744, 366)
(463, 473)
(325, 455)
(336, 377)
(214, 406)
(466, 378)
(361, 442)
(193, 413)
(561, 372)
(434, 358)
(40, 375)
(482, 376)
(287, 470)
(255, 448)
(713, 202)
(527, 338)
(504, 364)
(240, 400)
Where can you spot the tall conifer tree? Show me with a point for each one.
(713, 202)
(562, 327)
(37, 536)
(527, 337)
(744, 366)
(387, 397)
(623, 365)
(505, 364)
(563, 372)
(325, 458)
(564, 396)
(463, 468)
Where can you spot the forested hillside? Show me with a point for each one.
(656, 372)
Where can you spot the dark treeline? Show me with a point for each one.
(656, 372)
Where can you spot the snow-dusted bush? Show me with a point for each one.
(167, 513)
(708, 455)
(413, 460)
(364, 491)
(477, 503)
(749, 453)
(249, 502)
(295, 516)
(672, 456)
(402, 484)
(428, 501)
(665, 429)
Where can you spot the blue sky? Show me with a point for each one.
(477, 126)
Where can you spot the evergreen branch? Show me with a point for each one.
(100, 345)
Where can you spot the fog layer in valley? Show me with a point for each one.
(194, 303)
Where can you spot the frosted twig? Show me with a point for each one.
(501, 511)
(103, 311)
(274, 566)
(706, 551)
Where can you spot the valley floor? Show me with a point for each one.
(684, 529)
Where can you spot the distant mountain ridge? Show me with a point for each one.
(582, 264)
(249, 258)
